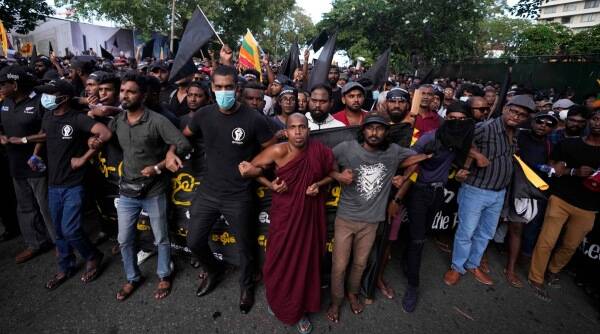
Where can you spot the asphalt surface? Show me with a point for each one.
(470, 307)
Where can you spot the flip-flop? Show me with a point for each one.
(164, 288)
(304, 326)
(540, 293)
(127, 289)
(57, 280)
(513, 280)
(92, 269)
(356, 309)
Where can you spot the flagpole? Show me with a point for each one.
(211, 26)
(172, 26)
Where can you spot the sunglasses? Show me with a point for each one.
(544, 122)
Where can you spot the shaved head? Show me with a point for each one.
(294, 116)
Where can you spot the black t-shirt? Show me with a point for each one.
(20, 120)
(197, 157)
(228, 140)
(401, 134)
(66, 138)
(576, 153)
(533, 151)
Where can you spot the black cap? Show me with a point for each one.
(397, 94)
(161, 65)
(97, 76)
(60, 87)
(282, 79)
(374, 118)
(551, 115)
(352, 85)
(287, 90)
(14, 73)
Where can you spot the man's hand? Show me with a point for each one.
(173, 162)
(481, 161)
(306, 55)
(226, 55)
(265, 60)
(461, 175)
(278, 185)
(398, 180)
(31, 165)
(583, 171)
(248, 170)
(3, 140)
(345, 177)
(559, 168)
(92, 100)
(280, 134)
(77, 163)
(94, 143)
(312, 190)
(15, 140)
(148, 171)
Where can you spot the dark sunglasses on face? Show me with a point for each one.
(544, 122)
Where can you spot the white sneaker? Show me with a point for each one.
(142, 256)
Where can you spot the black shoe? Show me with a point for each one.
(246, 300)
(409, 301)
(208, 281)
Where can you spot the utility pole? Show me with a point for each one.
(172, 26)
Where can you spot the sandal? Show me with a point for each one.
(127, 289)
(513, 280)
(304, 326)
(355, 305)
(92, 269)
(333, 313)
(386, 291)
(164, 288)
(540, 292)
(57, 280)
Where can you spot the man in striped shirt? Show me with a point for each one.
(481, 197)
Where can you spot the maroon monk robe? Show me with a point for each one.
(297, 235)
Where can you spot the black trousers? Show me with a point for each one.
(423, 202)
(205, 211)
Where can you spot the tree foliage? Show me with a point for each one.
(419, 31)
(527, 8)
(543, 39)
(23, 15)
(281, 32)
(230, 18)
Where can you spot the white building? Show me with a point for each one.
(575, 14)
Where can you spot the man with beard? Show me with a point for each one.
(353, 97)
(397, 102)
(481, 197)
(286, 104)
(369, 163)
(319, 106)
(160, 70)
(572, 206)
(232, 133)
(81, 72)
(145, 137)
(574, 125)
(449, 144)
(43, 67)
(297, 232)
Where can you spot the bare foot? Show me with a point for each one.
(333, 313)
(355, 305)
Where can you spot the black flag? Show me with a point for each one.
(319, 41)
(33, 57)
(105, 54)
(116, 44)
(378, 73)
(196, 34)
(291, 62)
(504, 89)
(148, 50)
(50, 49)
(318, 75)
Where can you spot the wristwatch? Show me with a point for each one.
(24, 140)
(157, 170)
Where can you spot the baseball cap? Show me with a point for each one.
(14, 73)
(563, 104)
(352, 85)
(397, 94)
(60, 87)
(522, 101)
(551, 115)
(374, 118)
(97, 76)
(281, 79)
(161, 65)
(287, 90)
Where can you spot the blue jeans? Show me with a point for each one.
(478, 215)
(65, 204)
(128, 212)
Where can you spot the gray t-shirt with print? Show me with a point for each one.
(366, 198)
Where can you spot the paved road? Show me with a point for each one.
(470, 307)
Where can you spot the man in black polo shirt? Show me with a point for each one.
(21, 118)
(481, 196)
(67, 132)
(232, 133)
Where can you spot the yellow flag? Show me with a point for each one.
(531, 176)
(3, 39)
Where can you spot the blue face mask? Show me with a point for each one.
(49, 101)
(225, 98)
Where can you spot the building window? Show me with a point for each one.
(565, 19)
(591, 4)
(587, 18)
(570, 7)
(550, 10)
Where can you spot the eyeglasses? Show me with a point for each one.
(544, 122)
(518, 113)
(288, 99)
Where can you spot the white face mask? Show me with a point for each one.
(464, 98)
(562, 114)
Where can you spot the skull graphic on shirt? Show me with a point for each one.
(370, 180)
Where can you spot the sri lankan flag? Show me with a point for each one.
(249, 55)
(3, 40)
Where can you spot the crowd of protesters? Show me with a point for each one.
(241, 127)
